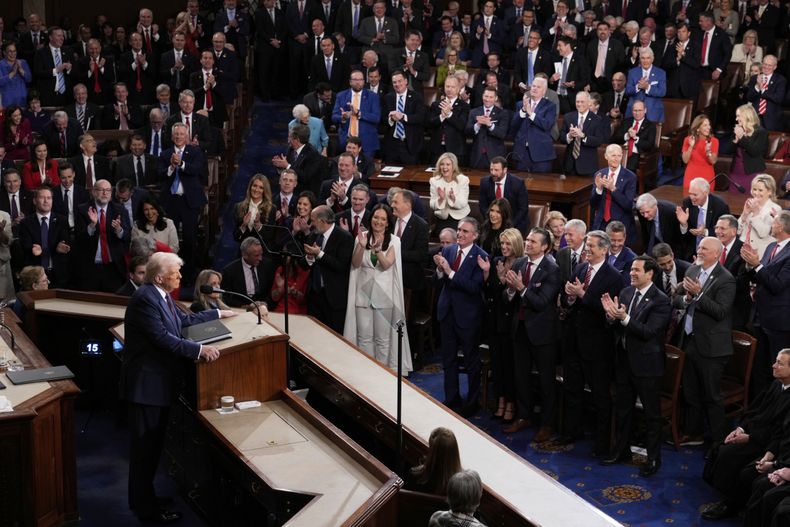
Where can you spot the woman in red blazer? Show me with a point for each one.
(39, 164)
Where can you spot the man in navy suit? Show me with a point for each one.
(413, 233)
(328, 256)
(767, 92)
(532, 287)
(532, 122)
(335, 75)
(405, 116)
(176, 65)
(583, 131)
(620, 256)
(310, 166)
(150, 374)
(356, 216)
(647, 83)
(447, 117)
(771, 273)
(52, 69)
(357, 112)
(698, 214)
(605, 56)
(460, 310)
(285, 199)
(640, 315)
(67, 196)
(183, 172)
(488, 35)
(573, 76)
(235, 24)
(534, 56)
(500, 184)
(487, 125)
(589, 357)
(657, 222)
(271, 33)
(336, 193)
(53, 253)
(414, 63)
(613, 194)
(714, 45)
(102, 234)
(227, 62)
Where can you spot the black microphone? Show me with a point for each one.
(207, 290)
(732, 182)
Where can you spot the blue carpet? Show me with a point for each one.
(675, 495)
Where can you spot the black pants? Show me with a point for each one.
(730, 468)
(397, 152)
(147, 426)
(189, 219)
(320, 308)
(525, 354)
(702, 391)
(102, 277)
(648, 389)
(764, 500)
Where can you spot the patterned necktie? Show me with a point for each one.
(105, 248)
(631, 139)
(81, 116)
(577, 141)
(588, 277)
(14, 207)
(60, 82)
(763, 104)
(723, 257)
(45, 256)
(63, 143)
(499, 191)
(400, 129)
(607, 206)
(457, 262)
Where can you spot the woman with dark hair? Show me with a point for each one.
(498, 219)
(151, 223)
(14, 77)
(255, 210)
(300, 222)
(107, 38)
(40, 170)
(37, 116)
(204, 301)
(700, 151)
(16, 134)
(441, 462)
(121, 43)
(375, 292)
(111, 149)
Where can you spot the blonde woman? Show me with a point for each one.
(727, 19)
(751, 140)
(450, 65)
(449, 193)
(555, 224)
(255, 210)
(208, 301)
(748, 52)
(758, 214)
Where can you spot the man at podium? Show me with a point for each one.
(153, 348)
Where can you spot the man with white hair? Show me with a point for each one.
(647, 83)
(657, 222)
(765, 92)
(698, 215)
(535, 116)
(154, 349)
(583, 131)
(152, 40)
(62, 135)
(613, 194)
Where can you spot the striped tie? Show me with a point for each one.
(400, 130)
(60, 83)
(763, 107)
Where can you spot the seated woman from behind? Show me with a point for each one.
(441, 462)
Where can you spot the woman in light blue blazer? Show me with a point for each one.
(318, 136)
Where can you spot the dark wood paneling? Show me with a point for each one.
(119, 13)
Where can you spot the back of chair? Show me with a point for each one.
(673, 372)
(739, 367)
(429, 94)
(733, 76)
(677, 114)
(537, 214)
(708, 96)
(416, 508)
(775, 140)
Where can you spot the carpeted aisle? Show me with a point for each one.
(674, 496)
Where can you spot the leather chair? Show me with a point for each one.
(738, 372)
(670, 390)
(775, 140)
(122, 136)
(429, 94)
(537, 214)
(677, 120)
(708, 98)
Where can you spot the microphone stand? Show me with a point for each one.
(734, 183)
(245, 297)
(399, 399)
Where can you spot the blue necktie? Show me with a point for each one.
(355, 23)
(400, 130)
(700, 224)
(45, 255)
(530, 68)
(60, 84)
(176, 178)
(155, 147)
(689, 326)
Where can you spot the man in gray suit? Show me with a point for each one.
(379, 32)
(707, 294)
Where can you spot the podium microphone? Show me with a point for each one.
(732, 182)
(207, 290)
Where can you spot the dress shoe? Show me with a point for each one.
(517, 426)
(719, 511)
(688, 440)
(161, 517)
(469, 410)
(650, 468)
(566, 439)
(544, 434)
(615, 457)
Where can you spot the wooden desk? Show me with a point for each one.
(543, 188)
(37, 456)
(734, 201)
(365, 390)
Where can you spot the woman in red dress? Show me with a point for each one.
(700, 151)
(40, 169)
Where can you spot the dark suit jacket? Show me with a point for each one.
(27, 50)
(539, 301)
(92, 116)
(622, 202)
(414, 251)
(347, 216)
(597, 132)
(462, 297)
(421, 65)
(692, 12)
(587, 314)
(200, 128)
(712, 321)
(340, 71)
(228, 64)
(774, 96)
(345, 19)
(635, 10)
(716, 207)
(535, 132)
(83, 68)
(543, 63)
(742, 310)
(87, 243)
(111, 121)
(52, 138)
(276, 199)
(608, 103)
(24, 198)
(178, 80)
(313, 104)
(218, 113)
(492, 142)
(514, 191)
(645, 144)
(578, 72)
(365, 166)
(615, 55)
(147, 93)
(102, 169)
(772, 297)
(668, 225)
(233, 280)
(496, 41)
(644, 334)
(310, 167)
(334, 268)
(193, 176)
(719, 51)
(415, 114)
(29, 232)
(766, 25)
(125, 169)
(78, 196)
(236, 35)
(451, 129)
(43, 64)
(153, 346)
(326, 191)
(623, 262)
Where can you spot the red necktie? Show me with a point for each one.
(105, 249)
(631, 139)
(704, 49)
(355, 229)
(457, 262)
(763, 105)
(139, 84)
(63, 143)
(499, 191)
(723, 256)
(607, 206)
(96, 85)
(624, 12)
(189, 126)
(148, 41)
(209, 100)
(588, 277)
(773, 253)
(399, 234)
(89, 174)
